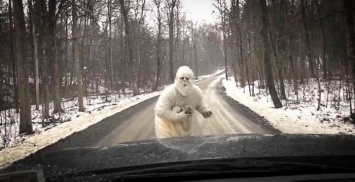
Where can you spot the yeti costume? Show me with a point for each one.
(176, 105)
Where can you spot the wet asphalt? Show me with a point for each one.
(95, 135)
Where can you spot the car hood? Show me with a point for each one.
(184, 149)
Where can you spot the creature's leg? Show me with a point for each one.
(186, 126)
(165, 129)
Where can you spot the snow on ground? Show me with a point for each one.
(201, 77)
(96, 110)
(297, 118)
(209, 75)
(219, 71)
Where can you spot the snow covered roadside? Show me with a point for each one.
(209, 75)
(44, 138)
(218, 72)
(300, 118)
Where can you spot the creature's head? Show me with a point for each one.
(183, 80)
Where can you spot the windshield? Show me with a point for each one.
(149, 77)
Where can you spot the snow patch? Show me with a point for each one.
(209, 75)
(96, 111)
(300, 118)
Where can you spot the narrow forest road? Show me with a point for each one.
(136, 123)
(228, 117)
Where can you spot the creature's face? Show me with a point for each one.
(183, 80)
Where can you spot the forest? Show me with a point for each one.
(57, 50)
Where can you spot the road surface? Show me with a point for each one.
(228, 117)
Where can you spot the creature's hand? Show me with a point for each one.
(206, 113)
(188, 110)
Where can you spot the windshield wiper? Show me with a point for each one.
(225, 167)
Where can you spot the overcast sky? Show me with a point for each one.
(199, 10)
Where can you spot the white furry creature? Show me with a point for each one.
(176, 105)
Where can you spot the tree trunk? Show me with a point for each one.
(54, 51)
(40, 7)
(319, 86)
(240, 39)
(308, 43)
(293, 64)
(349, 6)
(267, 61)
(45, 80)
(76, 56)
(66, 58)
(225, 53)
(302, 63)
(124, 12)
(348, 92)
(110, 43)
(293, 69)
(123, 60)
(83, 63)
(156, 85)
(194, 42)
(278, 67)
(324, 58)
(250, 76)
(25, 103)
(325, 69)
(191, 48)
(221, 6)
(34, 52)
(14, 60)
(171, 39)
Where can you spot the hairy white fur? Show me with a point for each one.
(171, 120)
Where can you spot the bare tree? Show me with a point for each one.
(290, 52)
(125, 12)
(34, 51)
(267, 61)
(76, 56)
(222, 8)
(52, 15)
(278, 41)
(308, 37)
(159, 42)
(14, 60)
(321, 22)
(109, 10)
(21, 55)
(194, 43)
(236, 27)
(41, 21)
(171, 5)
(349, 6)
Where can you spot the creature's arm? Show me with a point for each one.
(163, 109)
(202, 107)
